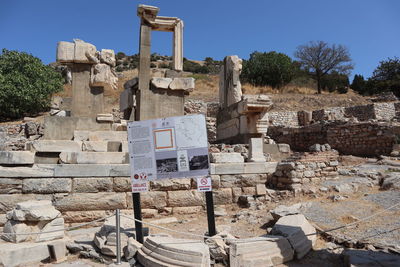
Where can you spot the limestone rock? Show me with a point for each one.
(94, 158)
(299, 232)
(162, 83)
(167, 251)
(226, 158)
(186, 84)
(391, 181)
(16, 157)
(34, 210)
(107, 56)
(54, 225)
(54, 146)
(261, 251)
(132, 248)
(283, 210)
(65, 52)
(82, 49)
(103, 76)
(16, 232)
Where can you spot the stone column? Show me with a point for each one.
(256, 150)
(178, 46)
(144, 95)
(86, 101)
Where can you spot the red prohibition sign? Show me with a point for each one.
(203, 181)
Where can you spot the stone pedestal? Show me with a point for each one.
(256, 147)
(86, 101)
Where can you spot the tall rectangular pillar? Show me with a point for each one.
(178, 46)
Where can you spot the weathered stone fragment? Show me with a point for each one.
(161, 83)
(186, 84)
(185, 198)
(226, 157)
(170, 184)
(54, 146)
(92, 185)
(47, 185)
(54, 225)
(262, 251)
(165, 251)
(65, 52)
(299, 232)
(91, 201)
(16, 157)
(10, 186)
(108, 56)
(84, 52)
(108, 136)
(94, 158)
(103, 76)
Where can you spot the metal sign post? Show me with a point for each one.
(138, 216)
(210, 213)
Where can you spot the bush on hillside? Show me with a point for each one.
(273, 69)
(26, 84)
(385, 78)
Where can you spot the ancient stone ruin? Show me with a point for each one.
(74, 168)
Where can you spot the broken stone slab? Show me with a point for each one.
(167, 251)
(346, 188)
(24, 254)
(17, 157)
(354, 257)
(107, 56)
(82, 51)
(17, 232)
(91, 201)
(126, 100)
(226, 158)
(94, 158)
(54, 225)
(256, 153)
(186, 84)
(9, 201)
(108, 136)
(283, 210)
(95, 146)
(103, 76)
(81, 135)
(132, 248)
(391, 181)
(261, 251)
(65, 52)
(105, 118)
(54, 146)
(34, 210)
(161, 83)
(91, 170)
(58, 251)
(47, 185)
(299, 232)
(218, 248)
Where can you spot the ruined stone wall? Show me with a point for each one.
(305, 168)
(89, 197)
(289, 119)
(384, 111)
(359, 139)
(14, 136)
(210, 110)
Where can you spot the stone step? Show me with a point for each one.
(17, 157)
(108, 136)
(94, 158)
(54, 146)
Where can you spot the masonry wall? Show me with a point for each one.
(14, 136)
(359, 139)
(84, 192)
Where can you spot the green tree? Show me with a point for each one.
(386, 77)
(272, 68)
(26, 84)
(320, 59)
(358, 84)
(335, 82)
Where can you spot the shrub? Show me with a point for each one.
(26, 84)
(273, 69)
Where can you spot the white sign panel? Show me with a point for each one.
(174, 147)
(204, 184)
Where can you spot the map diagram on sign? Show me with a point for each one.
(190, 132)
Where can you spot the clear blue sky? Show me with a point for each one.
(215, 28)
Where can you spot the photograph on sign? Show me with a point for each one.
(174, 147)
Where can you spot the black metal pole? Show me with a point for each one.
(138, 216)
(210, 214)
